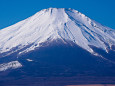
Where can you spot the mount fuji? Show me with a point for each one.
(56, 42)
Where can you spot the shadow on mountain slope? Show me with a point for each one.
(58, 59)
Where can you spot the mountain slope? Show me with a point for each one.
(58, 64)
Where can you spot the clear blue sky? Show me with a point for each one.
(12, 11)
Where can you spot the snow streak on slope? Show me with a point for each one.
(56, 23)
(10, 65)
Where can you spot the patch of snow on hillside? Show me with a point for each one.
(10, 65)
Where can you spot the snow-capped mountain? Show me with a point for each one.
(55, 42)
(53, 23)
(48, 25)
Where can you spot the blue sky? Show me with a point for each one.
(13, 11)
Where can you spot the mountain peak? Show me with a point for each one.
(56, 23)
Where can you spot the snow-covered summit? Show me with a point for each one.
(56, 23)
